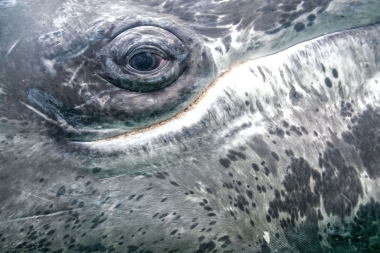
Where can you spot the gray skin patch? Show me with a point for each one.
(271, 158)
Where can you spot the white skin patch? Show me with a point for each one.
(266, 237)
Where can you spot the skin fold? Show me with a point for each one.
(189, 126)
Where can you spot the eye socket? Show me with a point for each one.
(143, 59)
(146, 61)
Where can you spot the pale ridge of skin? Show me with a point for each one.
(273, 92)
(220, 177)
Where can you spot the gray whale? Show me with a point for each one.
(189, 126)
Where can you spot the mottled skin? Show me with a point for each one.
(280, 154)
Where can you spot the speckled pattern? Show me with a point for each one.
(275, 146)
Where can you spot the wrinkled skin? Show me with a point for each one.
(240, 139)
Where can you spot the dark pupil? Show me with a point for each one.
(143, 61)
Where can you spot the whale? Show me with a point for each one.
(190, 126)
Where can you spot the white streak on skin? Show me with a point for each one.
(75, 73)
(347, 199)
(13, 46)
(49, 65)
(61, 122)
(30, 194)
(40, 113)
(41, 216)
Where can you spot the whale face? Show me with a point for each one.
(189, 126)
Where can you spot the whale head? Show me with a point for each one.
(189, 126)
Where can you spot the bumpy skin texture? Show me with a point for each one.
(281, 154)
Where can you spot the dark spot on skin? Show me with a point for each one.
(160, 175)
(241, 202)
(289, 153)
(264, 78)
(296, 130)
(174, 183)
(335, 73)
(328, 82)
(194, 225)
(226, 241)
(96, 170)
(295, 97)
(266, 171)
(304, 130)
(61, 191)
(50, 232)
(299, 27)
(329, 144)
(206, 247)
(323, 67)
(227, 42)
(225, 162)
(280, 132)
(163, 215)
(139, 197)
(249, 194)
(311, 17)
(219, 50)
(132, 248)
(255, 167)
(231, 157)
(320, 216)
(275, 156)
(277, 194)
(236, 153)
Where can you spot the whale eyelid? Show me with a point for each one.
(115, 66)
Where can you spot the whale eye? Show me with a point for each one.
(143, 59)
(146, 61)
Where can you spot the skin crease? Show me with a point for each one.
(259, 133)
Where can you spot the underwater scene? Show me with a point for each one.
(190, 126)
